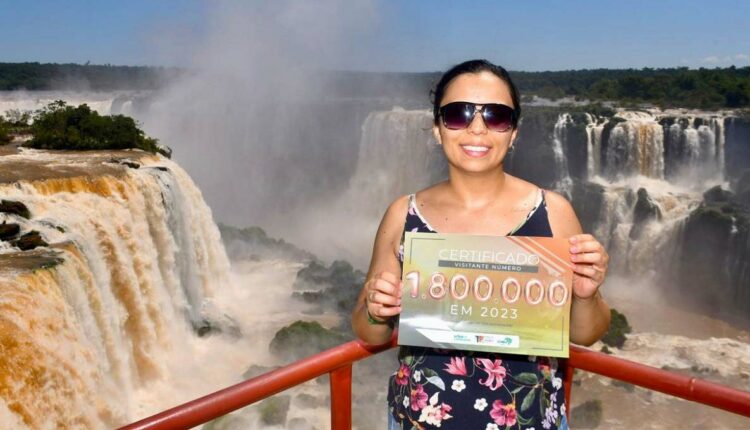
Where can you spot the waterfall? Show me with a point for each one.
(594, 129)
(398, 155)
(694, 149)
(131, 271)
(635, 147)
(717, 125)
(564, 182)
(105, 103)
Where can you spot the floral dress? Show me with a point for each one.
(454, 389)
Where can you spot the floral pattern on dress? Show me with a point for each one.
(490, 390)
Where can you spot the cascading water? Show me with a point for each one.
(398, 155)
(564, 181)
(105, 103)
(635, 147)
(134, 262)
(673, 155)
(594, 129)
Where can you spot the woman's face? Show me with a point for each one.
(475, 148)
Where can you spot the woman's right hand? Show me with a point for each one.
(383, 296)
(379, 299)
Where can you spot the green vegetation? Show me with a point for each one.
(675, 87)
(39, 76)
(4, 132)
(672, 87)
(618, 328)
(723, 210)
(302, 339)
(59, 126)
(13, 122)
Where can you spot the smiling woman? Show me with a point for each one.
(476, 112)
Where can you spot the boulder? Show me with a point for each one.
(9, 231)
(17, 208)
(30, 240)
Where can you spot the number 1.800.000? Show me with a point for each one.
(534, 291)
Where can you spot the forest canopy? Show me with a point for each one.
(717, 88)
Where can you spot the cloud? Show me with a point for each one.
(726, 59)
(711, 60)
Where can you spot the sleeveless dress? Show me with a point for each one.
(454, 389)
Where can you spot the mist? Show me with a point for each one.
(252, 122)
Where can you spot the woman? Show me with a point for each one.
(476, 112)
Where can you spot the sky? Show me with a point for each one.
(391, 35)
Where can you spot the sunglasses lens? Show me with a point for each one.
(457, 115)
(498, 117)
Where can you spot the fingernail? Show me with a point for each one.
(572, 240)
(573, 249)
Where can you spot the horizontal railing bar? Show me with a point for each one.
(686, 387)
(222, 402)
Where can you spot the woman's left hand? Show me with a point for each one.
(590, 260)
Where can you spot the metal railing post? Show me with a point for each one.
(341, 398)
(569, 373)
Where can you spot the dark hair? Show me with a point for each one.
(475, 66)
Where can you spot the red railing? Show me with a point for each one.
(337, 362)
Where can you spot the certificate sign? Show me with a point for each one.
(486, 293)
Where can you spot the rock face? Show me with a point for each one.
(645, 210)
(303, 338)
(335, 287)
(712, 267)
(532, 159)
(742, 188)
(588, 201)
(737, 146)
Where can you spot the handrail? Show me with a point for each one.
(229, 399)
(337, 361)
(686, 387)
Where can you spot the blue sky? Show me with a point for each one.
(401, 35)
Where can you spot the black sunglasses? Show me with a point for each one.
(496, 116)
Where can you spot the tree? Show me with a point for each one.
(59, 126)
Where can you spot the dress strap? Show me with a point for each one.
(537, 203)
